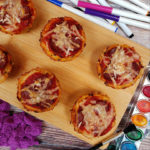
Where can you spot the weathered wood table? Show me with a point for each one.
(56, 139)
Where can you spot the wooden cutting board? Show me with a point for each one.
(76, 77)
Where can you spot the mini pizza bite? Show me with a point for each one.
(16, 16)
(5, 64)
(93, 115)
(119, 66)
(62, 39)
(38, 90)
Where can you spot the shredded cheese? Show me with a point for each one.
(121, 64)
(38, 92)
(2, 57)
(11, 13)
(62, 37)
(96, 118)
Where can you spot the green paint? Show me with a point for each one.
(135, 135)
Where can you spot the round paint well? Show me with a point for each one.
(146, 91)
(128, 146)
(139, 120)
(135, 135)
(143, 106)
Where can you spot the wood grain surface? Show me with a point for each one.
(55, 138)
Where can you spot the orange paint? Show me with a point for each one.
(139, 120)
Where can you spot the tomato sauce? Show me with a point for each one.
(93, 100)
(109, 53)
(56, 50)
(108, 128)
(107, 78)
(31, 79)
(25, 95)
(25, 21)
(4, 63)
(81, 119)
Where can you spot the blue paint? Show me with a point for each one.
(56, 2)
(128, 146)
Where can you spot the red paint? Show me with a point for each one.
(143, 106)
(146, 91)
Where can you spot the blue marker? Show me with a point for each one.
(86, 16)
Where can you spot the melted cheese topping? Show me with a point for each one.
(121, 64)
(62, 37)
(11, 13)
(2, 56)
(2, 59)
(38, 92)
(96, 118)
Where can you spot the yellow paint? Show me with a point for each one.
(139, 120)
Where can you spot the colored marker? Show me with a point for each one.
(131, 7)
(113, 11)
(101, 19)
(123, 26)
(118, 19)
(141, 4)
(81, 14)
(95, 2)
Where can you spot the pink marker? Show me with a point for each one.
(113, 11)
(94, 6)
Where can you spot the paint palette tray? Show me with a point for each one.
(138, 113)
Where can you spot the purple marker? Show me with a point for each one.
(102, 14)
(112, 11)
(86, 16)
(117, 18)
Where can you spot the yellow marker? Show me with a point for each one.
(113, 23)
(139, 120)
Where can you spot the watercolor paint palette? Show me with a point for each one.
(138, 113)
